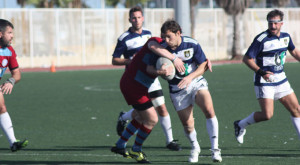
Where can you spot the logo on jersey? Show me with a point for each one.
(285, 41)
(4, 63)
(187, 54)
(279, 60)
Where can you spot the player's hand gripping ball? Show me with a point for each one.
(169, 63)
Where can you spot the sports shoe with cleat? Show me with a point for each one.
(173, 145)
(140, 157)
(216, 155)
(121, 151)
(18, 145)
(121, 124)
(194, 155)
(239, 132)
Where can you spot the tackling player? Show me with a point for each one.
(128, 44)
(266, 57)
(8, 59)
(134, 85)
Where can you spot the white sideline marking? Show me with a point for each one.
(100, 88)
(75, 155)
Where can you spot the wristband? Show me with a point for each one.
(261, 72)
(11, 80)
(174, 59)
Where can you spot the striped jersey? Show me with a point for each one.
(7, 59)
(269, 52)
(129, 43)
(191, 53)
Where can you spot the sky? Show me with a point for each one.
(13, 3)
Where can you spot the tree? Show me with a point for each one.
(127, 3)
(280, 3)
(235, 8)
(53, 3)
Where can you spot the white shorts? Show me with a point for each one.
(186, 97)
(273, 92)
(155, 86)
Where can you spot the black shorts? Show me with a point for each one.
(142, 107)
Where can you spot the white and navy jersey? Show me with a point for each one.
(129, 43)
(269, 52)
(191, 53)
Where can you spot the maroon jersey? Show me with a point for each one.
(7, 59)
(135, 81)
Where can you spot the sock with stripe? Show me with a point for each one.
(130, 130)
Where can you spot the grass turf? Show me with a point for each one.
(70, 118)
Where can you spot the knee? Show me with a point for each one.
(162, 110)
(267, 116)
(3, 109)
(188, 129)
(152, 121)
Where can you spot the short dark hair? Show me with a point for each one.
(3, 24)
(275, 13)
(171, 25)
(135, 9)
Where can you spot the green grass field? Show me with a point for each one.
(69, 117)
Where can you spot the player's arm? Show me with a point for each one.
(156, 48)
(120, 61)
(295, 53)
(8, 85)
(163, 71)
(253, 66)
(185, 82)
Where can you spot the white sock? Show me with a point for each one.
(296, 122)
(247, 121)
(193, 139)
(212, 127)
(127, 115)
(165, 123)
(7, 127)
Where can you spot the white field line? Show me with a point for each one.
(114, 155)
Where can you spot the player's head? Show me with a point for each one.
(171, 33)
(275, 21)
(6, 32)
(136, 17)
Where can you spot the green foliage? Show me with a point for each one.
(128, 3)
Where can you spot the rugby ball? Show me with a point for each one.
(159, 64)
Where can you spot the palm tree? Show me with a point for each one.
(235, 8)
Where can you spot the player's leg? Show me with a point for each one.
(7, 127)
(292, 105)
(265, 96)
(123, 118)
(158, 100)
(187, 119)
(149, 119)
(204, 101)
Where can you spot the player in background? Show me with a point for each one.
(134, 85)
(266, 57)
(8, 59)
(190, 87)
(128, 44)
